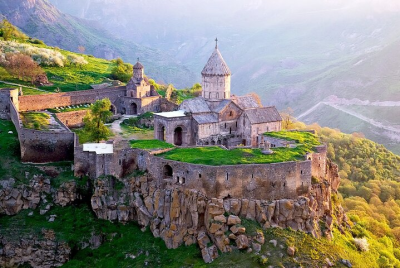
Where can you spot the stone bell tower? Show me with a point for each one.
(216, 77)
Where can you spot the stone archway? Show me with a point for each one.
(113, 109)
(167, 172)
(178, 136)
(134, 108)
(161, 133)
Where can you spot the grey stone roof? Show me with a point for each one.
(205, 118)
(216, 65)
(138, 65)
(263, 115)
(245, 102)
(221, 106)
(195, 105)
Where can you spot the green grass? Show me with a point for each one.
(305, 138)
(35, 120)
(216, 156)
(10, 159)
(75, 224)
(70, 77)
(82, 135)
(150, 144)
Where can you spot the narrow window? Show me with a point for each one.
(225, 125)
(230, 130)
(284, 184)
(236, 123)
(252, 176)
(177, 179)
(301, 172)
(199, 175)
(227, 176)
(120, 162)
(230, 113)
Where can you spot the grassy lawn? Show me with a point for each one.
(306, 138)
(35, 120)
(216, 156)
(150, 144)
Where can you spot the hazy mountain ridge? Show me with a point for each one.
(40, 19)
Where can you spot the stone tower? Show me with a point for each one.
(138, 72)
(138, 86)
(216, 77)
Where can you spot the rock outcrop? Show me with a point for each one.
(44, 253)
(181, 216)
(15, 198)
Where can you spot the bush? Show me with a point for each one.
(361, 244)
(76, 60)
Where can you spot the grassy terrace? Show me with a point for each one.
(216, 156)
(150, 144)
(35, 120)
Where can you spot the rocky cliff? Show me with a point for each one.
(180, 216)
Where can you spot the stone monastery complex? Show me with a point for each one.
(187, 202)
(216, 118)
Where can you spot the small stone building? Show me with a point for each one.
(217, 118)
(140, 96)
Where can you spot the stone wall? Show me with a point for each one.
(42, 146)
(72, 119)
(41, 102)
(7, 95)
(187, 216)
(260, 181)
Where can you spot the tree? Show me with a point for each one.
(287, 118)
(9, 31)
(22, 66)
(123, 71)
(94, 121)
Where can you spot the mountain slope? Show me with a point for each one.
(40, 19)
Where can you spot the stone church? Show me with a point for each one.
(217, 117)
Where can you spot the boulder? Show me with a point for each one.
(291, 251)
(233, 220)
(242, 242)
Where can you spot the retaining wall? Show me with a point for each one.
(41, 146)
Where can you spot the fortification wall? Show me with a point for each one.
(260, 181)
(41, 146)
(72, 119)
(41, 102)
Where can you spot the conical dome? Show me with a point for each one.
(138, 65)
(216, 65)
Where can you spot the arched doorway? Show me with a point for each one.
(123, 111)
(113, 109)
(134, 108)
(167, 171)
(178, 136)
(161, 133)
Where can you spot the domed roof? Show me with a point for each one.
(216, 65)
(138, 65)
